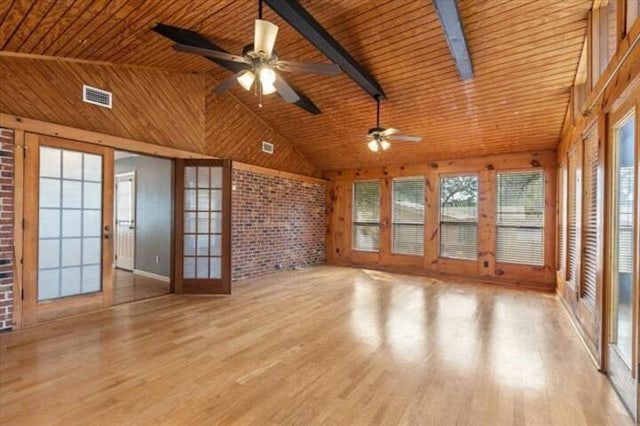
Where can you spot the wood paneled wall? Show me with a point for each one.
(616, 88)
(148, 105)
(228, 120)
(165, 108)
(339, 220)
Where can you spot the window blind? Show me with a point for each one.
(408, 216)
(459, 217)
(562, 202)
(590, 202)
(520, 217)
(572, 253)
(366, 216)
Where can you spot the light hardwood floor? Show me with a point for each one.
(129, 287)
(327, 345)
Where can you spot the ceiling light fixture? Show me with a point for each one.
(259, 64)
(246, 79)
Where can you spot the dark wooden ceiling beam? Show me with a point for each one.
(302, 21)
(449, 15)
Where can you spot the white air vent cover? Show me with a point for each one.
(267, 147)
(95, 96)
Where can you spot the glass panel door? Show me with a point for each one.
(203, 218)
(623, 281)
(67, 231)
(622, 278)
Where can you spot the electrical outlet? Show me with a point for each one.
(157, 259)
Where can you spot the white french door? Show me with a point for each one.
(125, 220)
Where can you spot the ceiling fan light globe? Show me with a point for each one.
(246, 80)
(267, 76)
(268, 89)
(373, 145)
(384, 145)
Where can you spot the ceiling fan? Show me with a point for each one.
(380, 138)
(260, 63)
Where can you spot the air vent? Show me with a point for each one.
(92, 95)
(267, 147)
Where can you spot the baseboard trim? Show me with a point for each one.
(151, 275)
(518, 285)
(578, 329)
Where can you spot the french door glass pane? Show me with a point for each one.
(202, 223)
(623, 248)
(70, 216)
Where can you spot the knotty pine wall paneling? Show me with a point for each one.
(172, 109)
(339, 220)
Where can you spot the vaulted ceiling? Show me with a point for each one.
(524, 53)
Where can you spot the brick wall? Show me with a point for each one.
(6, 228)
(275, 221)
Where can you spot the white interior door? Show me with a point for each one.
(125, 220)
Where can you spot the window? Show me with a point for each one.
(408, 216)
(366, 216)
(633, 7)
(520, 217)
(604, 37)
(459, 217)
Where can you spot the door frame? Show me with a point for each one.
(625, 107)
(34, 311)
(115, 215)
(24, 125)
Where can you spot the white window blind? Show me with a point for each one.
(562, 214)
(572, 232)
(459, 217)
(366, 216)
(520, 217)
(590, 203)
(408, 216)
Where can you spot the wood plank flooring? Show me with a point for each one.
(129, 287)
(328, 345)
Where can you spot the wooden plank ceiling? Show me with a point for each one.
(524, 53)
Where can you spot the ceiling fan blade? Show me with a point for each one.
(322, 69)
(286, 91)
(389, 131)
(264, 37)
(405, 138)
(192, 38)
(210, 53)
(226, 84)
